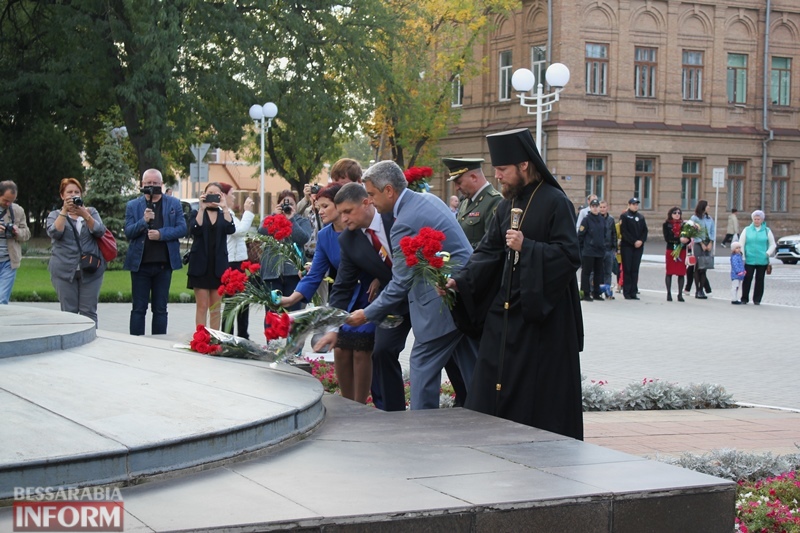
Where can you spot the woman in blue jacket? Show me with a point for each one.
(353, 352)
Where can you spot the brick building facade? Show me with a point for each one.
(661, 93)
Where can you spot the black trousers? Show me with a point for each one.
(386, 365)
(758, 291)
(591, 268)
(631, 259)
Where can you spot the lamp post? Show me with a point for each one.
(258, 113)
(557, 76)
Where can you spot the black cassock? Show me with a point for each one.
(541, 378)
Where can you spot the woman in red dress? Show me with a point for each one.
(676, 266)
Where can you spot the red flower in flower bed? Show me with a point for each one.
(233, 281)
(278, 226)
(276, 325)
(201, 342)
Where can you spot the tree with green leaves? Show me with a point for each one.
(111, 182)
(433, 49)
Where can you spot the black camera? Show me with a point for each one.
(316, 188)
(286, 206)
(8, 231)
(77, 201)
(213, 198)
(151, 190)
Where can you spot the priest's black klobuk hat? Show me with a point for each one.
(515, 146)
(459, 166)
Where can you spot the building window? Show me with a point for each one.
(736, 175)
(457, 99)
(780, 187)
(645, 72)
(692, 75)
(595, 176)
(781, 80)
(505, 76)
(690, 184)
(596, 69)
(643, 182)
(539, 64)
(737, 78)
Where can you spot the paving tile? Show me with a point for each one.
(640, 476)
(210, 499)
(557, 453)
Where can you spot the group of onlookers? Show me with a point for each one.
(685, 257)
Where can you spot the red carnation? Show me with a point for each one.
(276, 325)
(278, 226)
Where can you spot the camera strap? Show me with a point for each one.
(10, 210)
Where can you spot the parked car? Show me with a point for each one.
(189, 205)
(788, 249)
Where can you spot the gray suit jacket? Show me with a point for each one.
(430, 317)
(65, 257)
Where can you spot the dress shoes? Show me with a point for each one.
(701, 296)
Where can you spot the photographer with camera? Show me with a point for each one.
(154, 223)
(209, 228)
(13, 230)
(307, 207)
(76, 265)
(277, 273)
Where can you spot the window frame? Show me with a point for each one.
(539, 66)
(645, 72)
(643, 181)
(736, 81)
(780, 198)
(596, 178)
(736, 184)
(692, 76)
(456, 92)
(504, 75)
(597, 70)
(782, 85)
(690, 180)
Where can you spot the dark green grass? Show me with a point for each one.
(33, 285)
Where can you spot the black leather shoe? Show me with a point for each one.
(701, 296)
(680, 297)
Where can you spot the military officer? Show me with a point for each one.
(480, 199)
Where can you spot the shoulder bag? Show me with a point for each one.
(108, 246)
(89, 262)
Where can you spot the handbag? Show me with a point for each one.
(705, 262)
(769, 269)
(108, 246)
(187, 255)
(89, 262)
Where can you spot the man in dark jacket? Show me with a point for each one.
(610, 257)
(591, 236)
(634, 234)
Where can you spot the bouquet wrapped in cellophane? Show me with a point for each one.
(286, 335)
(427, 261)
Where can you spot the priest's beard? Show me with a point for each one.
(513, 188)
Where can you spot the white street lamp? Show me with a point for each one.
(258, 113)
(523, 80)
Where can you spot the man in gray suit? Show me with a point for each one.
(436, 338)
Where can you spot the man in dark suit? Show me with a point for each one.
(153, 224)
(436, 338)
(359, 255)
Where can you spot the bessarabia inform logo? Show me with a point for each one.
(68, 509)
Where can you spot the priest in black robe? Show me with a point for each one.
(528, 368)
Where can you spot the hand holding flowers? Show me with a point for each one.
(689, 231)
(423, 254)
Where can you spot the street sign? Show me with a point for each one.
(198, 174)
(718, 177)
(199, 151)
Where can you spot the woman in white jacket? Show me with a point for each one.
(237, 251)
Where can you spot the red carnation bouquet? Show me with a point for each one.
(276, 244)
(417, 178)
(427, 261)
(234, 280)
(213, 342)
(278, 226)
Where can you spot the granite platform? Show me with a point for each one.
(199, 443)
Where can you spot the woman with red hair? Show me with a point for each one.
(74, 230)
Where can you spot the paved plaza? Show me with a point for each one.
(749, 350)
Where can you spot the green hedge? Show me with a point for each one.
(33, 285)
